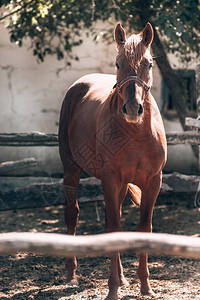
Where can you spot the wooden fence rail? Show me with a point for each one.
(28, 139)
(27, 192)
(16, 165)
(102, 244)
(42, 139)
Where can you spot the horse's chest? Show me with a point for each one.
(153, 156)
(112, 145)
(141, 155)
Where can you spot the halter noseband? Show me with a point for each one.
(132, 78)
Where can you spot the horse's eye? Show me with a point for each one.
(117, 66)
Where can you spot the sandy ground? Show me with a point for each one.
(29, 276)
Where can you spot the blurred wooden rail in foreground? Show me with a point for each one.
(102, 244)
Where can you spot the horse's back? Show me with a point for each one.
(99, 85)
(90, 90)
(98, 80)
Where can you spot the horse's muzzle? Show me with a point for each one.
(132, 113)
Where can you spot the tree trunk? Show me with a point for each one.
(170, 78)
(172, 82)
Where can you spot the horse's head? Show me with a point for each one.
(134, 70)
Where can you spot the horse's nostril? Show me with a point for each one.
(124, 109)
(140, 110)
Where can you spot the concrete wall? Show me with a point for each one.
(31, 95)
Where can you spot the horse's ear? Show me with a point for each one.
(120, 35)
(147, 35)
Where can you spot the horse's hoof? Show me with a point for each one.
(111, 297)
(123, 282)
(72, 283)
(146, 288)
(148, 292)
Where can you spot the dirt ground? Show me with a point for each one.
(29, 276)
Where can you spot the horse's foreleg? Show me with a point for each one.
(149, 195)
(113, 197)
(71, 181)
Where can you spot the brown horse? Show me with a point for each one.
(115, 133)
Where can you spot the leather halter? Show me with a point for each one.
(132, 78)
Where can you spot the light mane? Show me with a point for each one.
(135, 50)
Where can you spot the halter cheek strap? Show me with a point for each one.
(132, 78)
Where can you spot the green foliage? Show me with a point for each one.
(55, 27)
(179, 21)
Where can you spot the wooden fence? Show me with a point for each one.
(102, 244)
(34, 192)
(30, 192)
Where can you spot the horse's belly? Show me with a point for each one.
(88, 158)
(104, 149)
(100, 146)
(86, 144)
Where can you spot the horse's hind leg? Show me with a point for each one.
(71, 181)
(72, 174)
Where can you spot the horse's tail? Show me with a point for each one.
(134, 193)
